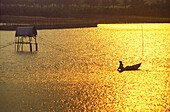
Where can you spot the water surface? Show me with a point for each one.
(75, 70)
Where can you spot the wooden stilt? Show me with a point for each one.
(17, 47)
(30, 47)
(22, 44)
(36, 46)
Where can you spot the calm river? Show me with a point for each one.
(76, 70)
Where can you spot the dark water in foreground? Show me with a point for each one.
(75, 70)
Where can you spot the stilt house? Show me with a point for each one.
(25, 35)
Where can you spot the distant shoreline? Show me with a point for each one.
(10, 23)
(40, 27)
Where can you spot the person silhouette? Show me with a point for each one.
(121, 68)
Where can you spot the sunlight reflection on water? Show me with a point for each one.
(75, 70)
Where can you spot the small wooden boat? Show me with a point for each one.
(128, 68)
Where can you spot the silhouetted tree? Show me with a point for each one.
(167, 3)
(125, 3)
(137, 3)
(108, 3)
(91, 2)
(114, 2)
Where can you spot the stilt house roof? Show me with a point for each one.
(29, 31)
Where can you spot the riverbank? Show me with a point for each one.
(10, 22)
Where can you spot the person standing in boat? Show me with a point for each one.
(121, 68)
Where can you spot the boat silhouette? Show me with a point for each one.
(127, 68)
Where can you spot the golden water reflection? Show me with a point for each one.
(78, 71)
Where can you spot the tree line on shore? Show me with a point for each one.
(68, 8)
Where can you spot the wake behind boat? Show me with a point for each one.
(127, 68)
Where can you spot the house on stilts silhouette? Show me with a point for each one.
(26, 35)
